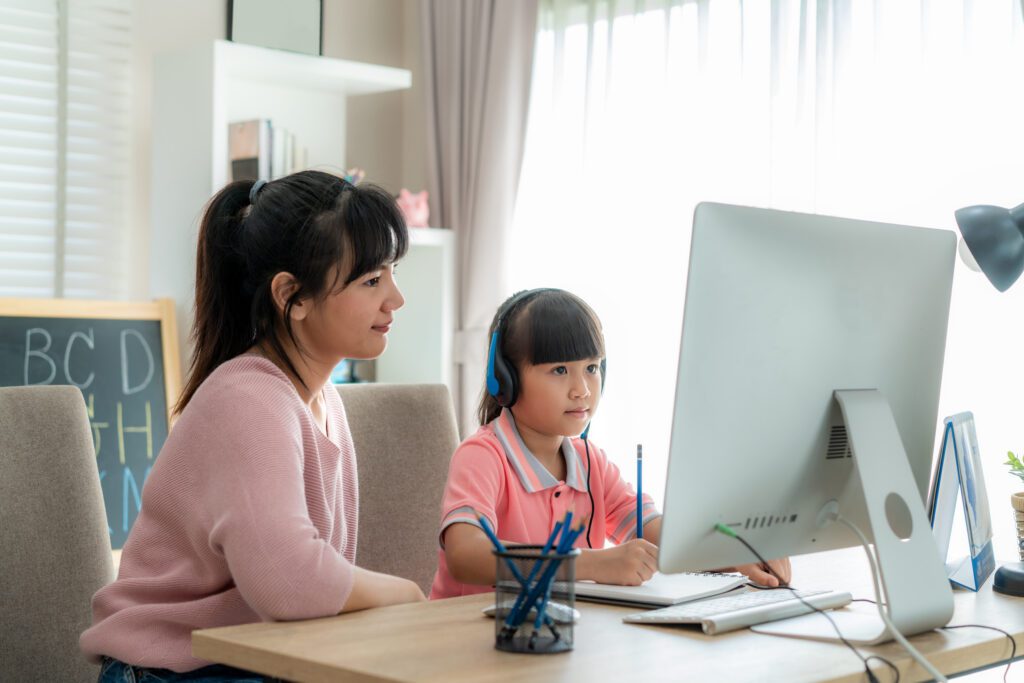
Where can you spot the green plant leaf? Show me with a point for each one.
(1015, 464)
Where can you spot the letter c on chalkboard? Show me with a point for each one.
(91, 342)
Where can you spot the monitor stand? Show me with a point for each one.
(913, 576)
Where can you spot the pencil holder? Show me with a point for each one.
(535, 600)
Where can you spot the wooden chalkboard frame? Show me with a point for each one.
(159, 309)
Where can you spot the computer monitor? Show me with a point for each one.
(808, 382)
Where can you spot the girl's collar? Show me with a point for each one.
(532, 473)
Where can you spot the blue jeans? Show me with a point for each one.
(115, 671)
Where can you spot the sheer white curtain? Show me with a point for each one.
(899, 111)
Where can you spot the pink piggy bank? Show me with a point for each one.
(414, 207)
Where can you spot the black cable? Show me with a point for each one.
(586, 444)
(1013, 643)
(884, 661)
(783, 584)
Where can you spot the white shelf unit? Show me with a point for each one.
(420, 342)
(197, 92)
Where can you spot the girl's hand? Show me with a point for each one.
(759, 574)
(629, 564)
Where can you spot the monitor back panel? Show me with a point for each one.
(781, 310)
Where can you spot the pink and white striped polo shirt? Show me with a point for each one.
(496, 475)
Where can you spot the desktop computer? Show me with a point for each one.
(807, 389)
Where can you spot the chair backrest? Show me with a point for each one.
(54, 543)
(404, 436)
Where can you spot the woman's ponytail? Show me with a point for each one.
(223, 325)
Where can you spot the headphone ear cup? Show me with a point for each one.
(513, 385)
(508, 385)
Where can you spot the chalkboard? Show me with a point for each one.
(124, 358)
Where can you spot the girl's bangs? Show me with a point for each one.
(563, 330)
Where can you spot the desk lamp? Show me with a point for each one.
(993, 242)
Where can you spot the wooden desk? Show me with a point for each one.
(449, 640)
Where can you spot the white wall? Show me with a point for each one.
(385, 133)
(160, 25)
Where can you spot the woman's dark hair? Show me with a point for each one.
(542, 326)
(311, 224)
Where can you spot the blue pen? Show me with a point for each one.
(639, 491)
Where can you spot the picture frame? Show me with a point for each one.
(295, 26)
(958, 505)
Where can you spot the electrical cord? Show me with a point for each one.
(882, 612)
(1013, 643)
(885, 617)
(729, 531)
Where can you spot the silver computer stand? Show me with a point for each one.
(915, 588)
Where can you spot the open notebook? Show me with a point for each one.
(662, 590)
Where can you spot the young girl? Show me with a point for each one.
(524, 468)
(250, 511)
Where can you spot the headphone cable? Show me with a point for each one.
(593, 512)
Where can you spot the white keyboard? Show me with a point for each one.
(742, 609)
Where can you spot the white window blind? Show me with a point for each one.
(65, 147)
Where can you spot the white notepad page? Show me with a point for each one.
(662, 590)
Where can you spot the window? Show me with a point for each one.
(65, 148)
(890, 111)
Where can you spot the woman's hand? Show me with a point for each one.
(758, 573)
(629, 564)
(373, 589)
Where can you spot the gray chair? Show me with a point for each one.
(404, 436)
(53, 534)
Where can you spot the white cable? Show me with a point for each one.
(897, 636)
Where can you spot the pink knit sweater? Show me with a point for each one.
(249, 514)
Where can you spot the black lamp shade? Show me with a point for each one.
(995, 237)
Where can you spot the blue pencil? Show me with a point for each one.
(513, 615)
(544, 583)
(542, 608)
(639, 491)
(486, 526)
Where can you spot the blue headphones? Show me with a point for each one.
(502, 378)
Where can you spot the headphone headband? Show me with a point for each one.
(502, 377)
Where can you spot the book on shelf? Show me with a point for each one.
(257, 149)
(249, 149)
(661, 590)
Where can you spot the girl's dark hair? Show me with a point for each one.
(311, 224)
(542, 326)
